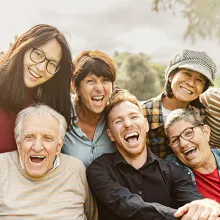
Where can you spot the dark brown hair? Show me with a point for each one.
(55, 92)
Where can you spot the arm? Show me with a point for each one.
(118, 198)
(90, 207)
(183, 188)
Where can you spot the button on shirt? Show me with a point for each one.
(122, 192)
(79, 145)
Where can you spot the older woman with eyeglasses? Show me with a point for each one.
(37, 68)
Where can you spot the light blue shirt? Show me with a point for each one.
(79, 145)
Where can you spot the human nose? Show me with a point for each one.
(127, 123)
(99, 86)
(182, 142)
(191, 82)
(37, 145)
(42, 66)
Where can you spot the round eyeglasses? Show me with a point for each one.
(38, 56)
(186, 134)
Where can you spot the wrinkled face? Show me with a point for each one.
(127, 127)
(95, 92)
(36, 73)
(39, 144)
(187, 85)
(193, 152)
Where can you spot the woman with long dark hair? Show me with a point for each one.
(37, 68)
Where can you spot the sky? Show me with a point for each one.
(113, 25)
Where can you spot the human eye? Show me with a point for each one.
(134, 117)
(90, 81)
(105, 79)
(29, 137)
(188, 133)
(53, 65)
(200, 81)
(174, 141)
(117, 121)
(48, 138)
(38, 53)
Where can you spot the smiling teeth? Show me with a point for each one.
(38, 156)
(186, 90)
(34, 74)
(187, 151)
(98, 98)
(131, 135)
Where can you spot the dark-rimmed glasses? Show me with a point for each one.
(186, 134)
(38, 56)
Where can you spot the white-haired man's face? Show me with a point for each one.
(38, 145)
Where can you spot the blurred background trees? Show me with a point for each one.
(203, 16)
(139, 75)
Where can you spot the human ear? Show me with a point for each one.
(109, 133)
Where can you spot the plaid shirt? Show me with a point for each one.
(156, 139)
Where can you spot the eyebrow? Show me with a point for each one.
(39, 48)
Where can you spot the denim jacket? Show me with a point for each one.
(174, 159)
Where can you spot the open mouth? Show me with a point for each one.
(98, 99)
(131, 137)
(190, 151)
(35, 75)
(186, 90)
(37, 159)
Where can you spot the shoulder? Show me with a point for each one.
(8, 159)
(216, 152)
(72, 163)
(173, 167)
(152, 106)
(153, 101)
(102, 163)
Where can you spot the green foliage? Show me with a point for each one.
(136, 73)
(217, 82)
(203, 16)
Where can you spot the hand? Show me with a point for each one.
(204, 209)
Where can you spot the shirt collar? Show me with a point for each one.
(118, 158)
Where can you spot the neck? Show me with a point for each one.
(87, 116)
(137, 161)
(208, 166)
(173, 103)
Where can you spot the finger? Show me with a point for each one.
(213, 215)
(181, 211)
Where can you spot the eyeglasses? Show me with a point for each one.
(186, 134)
(38, 56)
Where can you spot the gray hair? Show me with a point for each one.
(186, 114)
(39, 110)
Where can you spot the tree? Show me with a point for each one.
(136, 73)
(203, 16)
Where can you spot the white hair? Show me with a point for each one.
(39, 110)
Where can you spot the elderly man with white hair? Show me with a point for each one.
(37, 181)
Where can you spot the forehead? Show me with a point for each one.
(93, 75)
(177, 127)
(52, 50)
(123, 109)
(197, 74)
(40, 124)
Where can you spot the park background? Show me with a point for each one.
(142, 36)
